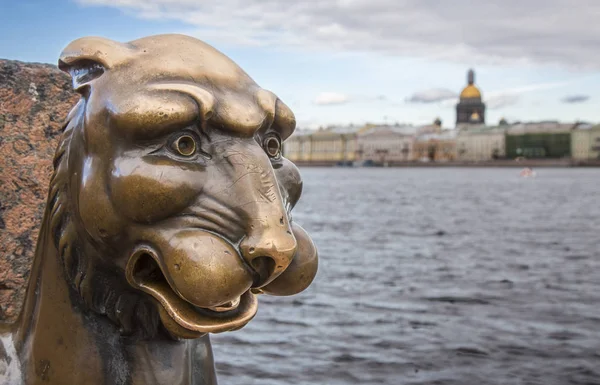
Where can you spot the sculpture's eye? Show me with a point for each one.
(272, 146)
(184, 145)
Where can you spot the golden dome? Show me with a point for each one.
(470, 92)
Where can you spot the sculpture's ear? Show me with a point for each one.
(279, 115)
(285, 121)
(87, 58)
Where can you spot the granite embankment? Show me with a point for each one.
(34, 101)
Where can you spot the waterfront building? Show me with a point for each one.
(481, 144)
(298, 147)
(585, 142)
(436, 147)
(386, 144)
(332, 145)
(434, 128)
(539, 140)
(470, 110)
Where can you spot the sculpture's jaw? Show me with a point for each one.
(201, 283)
(181, 318)
(184, 320)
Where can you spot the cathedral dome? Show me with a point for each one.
(470, 108)
(470, 92)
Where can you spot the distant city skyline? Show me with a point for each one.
(358, 61)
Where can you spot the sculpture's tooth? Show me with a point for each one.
(231, 305)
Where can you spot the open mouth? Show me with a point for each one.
(181, 317)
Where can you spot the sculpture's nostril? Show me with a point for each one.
(268, 254)
(264, 267)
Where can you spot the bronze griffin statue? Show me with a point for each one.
(168, 211)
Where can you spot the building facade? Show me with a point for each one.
(435, 147)
(481, 144)
(333, 145)
(386, 144)
(551, 140)
(585, 143)
(298, 147)
(327, 145)
(435, 128)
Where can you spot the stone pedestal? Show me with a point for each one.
(34, 101)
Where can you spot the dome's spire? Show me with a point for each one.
(471, 76)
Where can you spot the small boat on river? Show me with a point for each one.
(527, 173)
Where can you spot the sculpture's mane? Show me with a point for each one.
(98, 286)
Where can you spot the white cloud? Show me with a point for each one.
(511, 96)
(530, 88)
(330, 98)
(491, 31)
(502, 100)
(507, 97)
(573, 99)
(433, 95)
(310, 124)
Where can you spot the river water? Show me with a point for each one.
(435, 276)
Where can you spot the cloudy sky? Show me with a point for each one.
(356, 61)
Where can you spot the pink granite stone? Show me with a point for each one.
(34, 101)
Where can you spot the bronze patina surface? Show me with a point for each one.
(169, 209)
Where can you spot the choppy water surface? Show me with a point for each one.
(435, 276)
